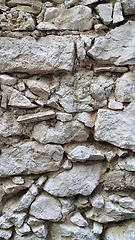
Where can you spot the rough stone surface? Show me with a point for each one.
(37, 117)
(78, 220)
(5, 234)
(105, 12)
(128, 7)
(31, 50)
(117, 13)
(127, 163)
(79, 180)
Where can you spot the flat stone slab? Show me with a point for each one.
(80, 179)
(50, 54)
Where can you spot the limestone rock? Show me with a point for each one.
(97, 228)
(76, 18)
(48, 48)
(35, 158)
(127, 202)
(128, 7)
(35, 4)
(116, 128)
(119, 52)
(82, 154)
(18, 100)
(125, 230)
(87, 118)
(23, 230)
(105, 12)
(26, 237)
(117, 13)
(71, 232)
(40, 181)
(81, 53)
(10, 187)
(46, 207)
(67, 164)
(97, 201)
(34, 222)
(18, 180)
(7, 80)
(64, 117)
(110, 156)
(67, 206)
(5, 234)
(61, 133)
(88, 2)
(114, 105)
(79, 220)
(83, 180)
(5, 223)
(127, 163)
(119, 180)
(16, 218)
(40, 231)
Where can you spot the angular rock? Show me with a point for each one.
(76, 18)
(40, 231)
(110, 156)
(33, 189)
(78, 220)
(16, 218)
(120, 181)
(36, 117)
(81, 53)
(125, 230)
(97, 201)
(31, 158)
(7, 80)
(120, 51)
(114, 105)
(18, 180)
(127, 163)
(82, 154)
(34, 222)
(67, 206)
(10, 187)
(111, 69)
(127, 202)
(67, 164)
(71, 232)
(5, 223)
(35, 4)
(5, 234)
(40, 181)
(18, 100)
(64, 117)
(37, 57)
(88, 2)
(128, 7)
(87, 118)
(61, 133)
(105, 12)
(79, 180)
(97, 228)
(46, 207)
(117, 13)
(23, 230)
(26, 237)
(116, 128)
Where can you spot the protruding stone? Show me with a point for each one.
(97, 228)
(18, 100)
(40, 181)
(117, 13)
(5, 234)
(87, 118)
(18, 180)
(127, 202)
(105, 12)
(79, 220)
(23, 230)
(114, 105)
(110, 156)
(33, 222)
(97, 201)
(127, 163)
(40, 231)
(64, 117)
(128, 7)
(7, 80)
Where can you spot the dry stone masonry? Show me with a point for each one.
(67, 119)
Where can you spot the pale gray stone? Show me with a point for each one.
(114, 105)
(23, 230)
(88, 2)
(121, 152)
(35, 158)
(67, 164)
(97, 228)
(18, 180)
(114, 198)
(87, 118)
(79, 220)
(111, 69)
(127, 163)
(117, 13)
(119, 52)
(70, 3)
(97, 201)
(128, 6)
(46, 207)
(127, 202)
(61, 133)
(65, 19)
(82, 202)
(33, 189)
(40, 231)
(48, 48)
(67, 206)
(105, 12)
(5, 234)
(21, 86)
(80, 179)
(34, 222)
(81, 53)
(110, 156)
(64, 117)
(71, 232)
(40, 181)
(116, 128)
(53, 102)
(7, 80)
(18, 100)
(10, 187)
(82, 154)
(9, 219)
(26, 237)
(125, 231)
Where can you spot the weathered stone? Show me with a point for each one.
(26, 237)
(81, 53)
(63, 19)
(33, 189)
(64, 117)
(97, 201)
(40, 181)
(5, 223)
(7, 80)
(82, 202)
(18, 180)
(48, 48)
(67, 206)
(35, 4)
(87, 118)
(125, 88)
(67, 164)
(28, 9)
(128, 7)
(116, 128)
(127, 202)
(18, 100)
(78, 220)
(5, 234)
(111, 69)
(46, 207)
(99, 27)
(105, 12)
(82, 154)
(88, 2)
(79, 180)
(21, 86)
(119, 52)
(40, 231)
(53, 102)
(16, 218)
(23, 230)
(117, 13)
(71, 3)
(114, 198)
(127, 163)
(114, 105)
(33, 222)
(97, 228)
(125, 230)
(61, 133)
(121, 152)
(30, 157)
(10, 187)
(71, 232)
(36, 117)
(119, 180)
(110, 156)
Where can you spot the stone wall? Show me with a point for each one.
(67, 120)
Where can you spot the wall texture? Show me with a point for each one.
(67, 120)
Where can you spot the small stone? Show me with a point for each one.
(88, 2)
(97, 201)
(67, 206)
(8, 80)
(111, 69)
(12, 188)
(33, 189)
(81, 53)
(17, 218)
(40, 181)
(117, 13)
(4, 101)
(82, 202)
(32, 221)
(127, 163)
(18, 180)
(21, 86)
(128, 7)
(53, 102)
(114, 105)
(122, 153)
(40, 231)
(5, 234)
(97, 228)
(79, 220)
(105, 12)
(18, 100)
(99, 27)
(64, 117)
(87, 118)
(70, 3)
(114, 198)
(26, 237)
(110, 156)
(30, 95)
(23, 230)
(5, 223)
(127, 202)
(67, 164)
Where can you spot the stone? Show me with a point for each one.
(53, 102)
(40, 181)
(87, 118)
(78, 220)
(110, 156)
(128, 7)
(46, 207)
(109, 123)
(35, 159)
(97, 201)
(105, 12)
(70, 3)
(123, 231)
(23, 230)
(97, 228)
(21, 86)
(35, 4)
(71, 232)
(127, 163)
(48, 48)
(30, 95)
(125, 88)
(16, 218)
(81, 53)
(38, 87)
(114, 105)
(28, 9)
(119, 181)
(65, 19)
(61, 133)
(67, 206)
(114, 198)
(33, 189)
(88, 2)
(83, 180)
(34, 222)
(119, 52)
(36, 117)
(18, 100)
(64, 117)
(18, 180)
(117, 13)
(67, 164)
(7, 80)
(82, 202)
(26, 237)
(5, 223)
(40, 231)
(127, 202)
(111, 69)
(12, 188)
(121, 152)
(99, 26)
(82, 154)
(5, 234)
